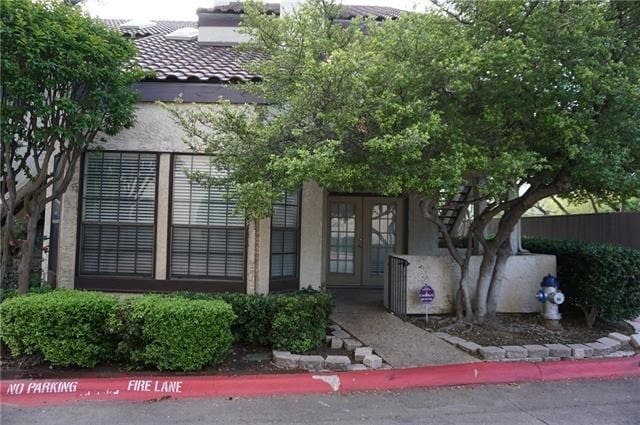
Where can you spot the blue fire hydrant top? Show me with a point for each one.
(550, 281)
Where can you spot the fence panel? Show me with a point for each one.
(613, 228)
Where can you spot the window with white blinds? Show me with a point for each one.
(118, 214)
(207, 237)
(285, 234)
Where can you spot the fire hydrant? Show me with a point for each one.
(551, 296)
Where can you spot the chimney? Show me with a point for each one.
(218, 26)
(289, 7)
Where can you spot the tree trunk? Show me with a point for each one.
(7, 231)
(26, 250)
(463, 300)
(590, 315)
(484, 282)
(506, 251)
(463, 293)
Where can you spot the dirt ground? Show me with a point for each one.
(240, 361)
(520, 329)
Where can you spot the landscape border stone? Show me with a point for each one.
(337, 338)
(615, 345)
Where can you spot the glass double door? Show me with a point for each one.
(361, 232)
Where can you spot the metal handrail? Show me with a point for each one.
(397, 286)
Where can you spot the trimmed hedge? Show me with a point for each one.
(6, 294)
(177, 332)
(171, 333)
(603, 280)
(254, 315)
(301, 320)
(65, 327)
(274, 320)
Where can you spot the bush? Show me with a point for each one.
(173, 333)
(66, 327)
(257, 313)
(254, 315)
(182, 331)
(603, 280)
(324, 305)
(300, 321)
(6, 294)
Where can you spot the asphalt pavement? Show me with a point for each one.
(610, 402)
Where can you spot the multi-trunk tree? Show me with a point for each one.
(66, 80)
(520, 100)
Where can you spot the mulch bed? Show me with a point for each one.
(521, 329)
(240, 361)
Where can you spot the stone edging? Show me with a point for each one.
(616, 345)
(365, 359)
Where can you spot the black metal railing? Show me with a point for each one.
(397, 276)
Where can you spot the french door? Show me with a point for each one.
(361, 232)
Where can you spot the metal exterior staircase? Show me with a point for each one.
(451, 213)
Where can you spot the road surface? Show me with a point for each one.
(609, 402)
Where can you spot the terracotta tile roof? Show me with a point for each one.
(189, 61)
(184, 60)
(160, 28)
(349, 11)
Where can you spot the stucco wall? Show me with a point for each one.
(422, 235)
(522, 280)
(154, 131)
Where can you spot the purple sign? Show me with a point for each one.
(427, 294)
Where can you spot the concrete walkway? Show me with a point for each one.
(361, 313)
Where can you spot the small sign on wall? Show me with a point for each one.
(427, 294)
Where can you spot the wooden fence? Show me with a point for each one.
(613, 228)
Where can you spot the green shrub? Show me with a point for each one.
(255, 314)
(66, 327)
(300, 321)
(325, 302)
(173, 333)
(603, 280)
(6, 294)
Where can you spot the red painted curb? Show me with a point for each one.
(145, 388)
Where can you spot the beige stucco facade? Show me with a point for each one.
(522, 280)
(156, 132)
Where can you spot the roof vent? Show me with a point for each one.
(183, 34)
(137, 24)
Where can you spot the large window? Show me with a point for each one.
(118, 214)
(207, 237)
(285, 234)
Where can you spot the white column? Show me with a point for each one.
(162, 215)
(46, 231)
(69, 233)
(263, 260)
(312, 252)
(251, 254)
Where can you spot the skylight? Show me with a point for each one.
(183, 34)
(137, 24)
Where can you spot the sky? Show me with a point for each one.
(185, 10)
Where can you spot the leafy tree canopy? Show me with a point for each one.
(66, 81)
(513, 93)
(518, 99)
